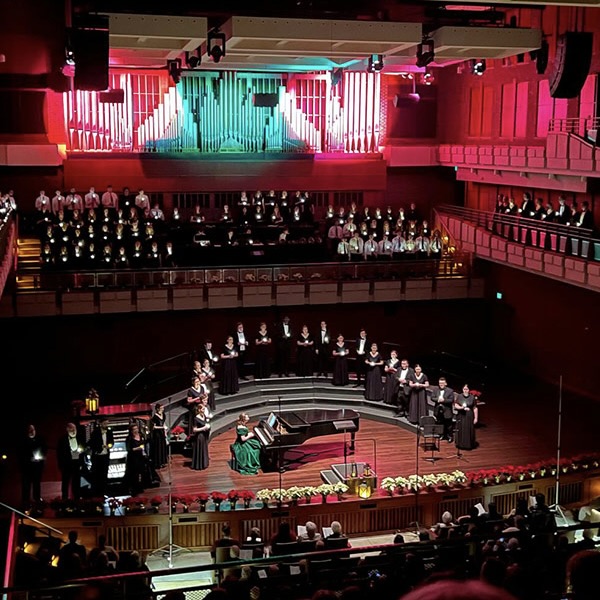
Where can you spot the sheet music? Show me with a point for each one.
(301, 530)
(327, 531)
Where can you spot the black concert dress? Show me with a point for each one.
(373, 383)
(464, 435)
(229, 377)
(340, 367)
(391, 386)
(304, 356)
(135, 465)
(158, 442)
(262, 360)
(200, 458)
(417, 401)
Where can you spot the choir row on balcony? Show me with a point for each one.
(536, 209)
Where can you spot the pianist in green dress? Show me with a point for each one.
(246, 448)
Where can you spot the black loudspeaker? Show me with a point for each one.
(112, 96)
(268, 100)
(89, 42)
(571, 64)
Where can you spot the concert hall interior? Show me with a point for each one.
(446, 162)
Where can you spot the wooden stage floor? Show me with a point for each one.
(518, 427)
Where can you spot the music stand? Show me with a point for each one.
(432, 433)
(170, 550)
(459, 454)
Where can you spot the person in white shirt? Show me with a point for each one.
(156, 213)
(349, 228)
(42, 203)
(384, 248)
(343, 250)
(334, 235)
(110, 198)
(91, 199)
(142, 202)
(356, 247)
(73, 201)
(58, 202)
(370, 248)
(398, 245)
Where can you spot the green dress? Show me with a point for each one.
(247, 454)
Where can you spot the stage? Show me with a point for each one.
(518, 427)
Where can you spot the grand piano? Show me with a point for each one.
(280, 434)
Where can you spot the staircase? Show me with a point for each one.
(28, 264)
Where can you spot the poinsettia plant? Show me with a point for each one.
(202, 497)
(246, 494)
(233, 495)
(186, 499)
(218, 496)
(156, 501)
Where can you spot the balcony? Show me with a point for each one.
(560, 252)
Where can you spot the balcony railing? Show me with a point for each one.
(584, 127)
(564, 239)
(456, 265)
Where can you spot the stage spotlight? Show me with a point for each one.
(216, 46)
(375, 63)
(425, 53)
(174, 68)
(478, 67)
(192, 60)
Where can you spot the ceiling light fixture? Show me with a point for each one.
(174, 68)
(375, 63)
(425, 53)
(216, 45)
(192, 60)
(478, 66)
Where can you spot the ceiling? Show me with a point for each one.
(291, 44)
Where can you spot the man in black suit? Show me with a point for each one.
(443, 397)
(69, 454)
(563, 214)
(404, 374)
(362, 348)
(32, 459)
(284, 346)
(527, 209)
(323, 349)
(207, 352)
(101, 442)
(585, 219)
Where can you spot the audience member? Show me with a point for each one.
(225, 541)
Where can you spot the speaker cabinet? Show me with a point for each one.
(268, 100)
(571, 64)
(89, 41)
